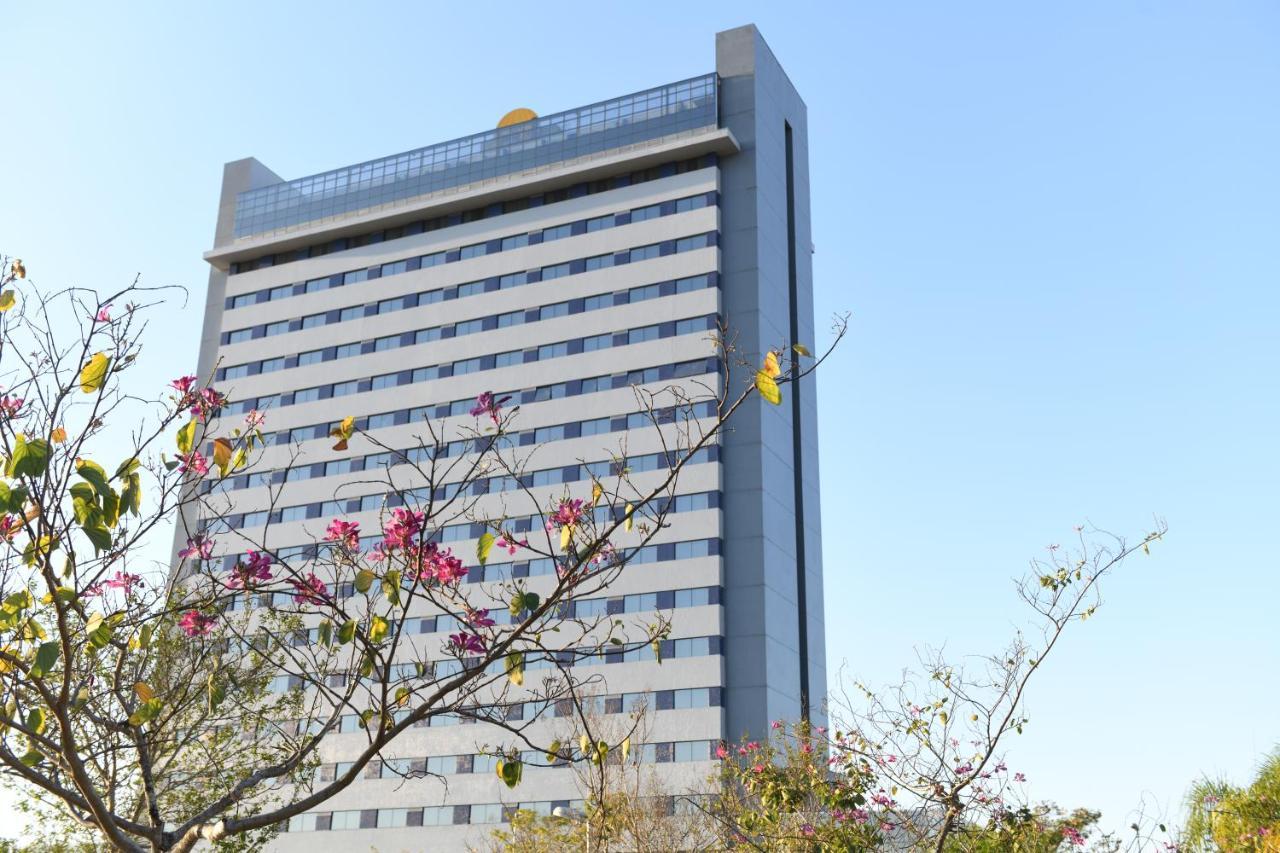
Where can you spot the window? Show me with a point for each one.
(599, 262)
(514, 279)
(281, 292)
(348, 350)
(599, 223)
(346, 820)
(314, 356)
(386, 380)
(640, 294)
(560, 309)
(511, 318)
(684, 205)
(599, 426)
(468, 327)
(316, 285)
(644, 253)
(243, 300)
(688, 244)
(597, 342)
(386, 343)
(293, 513)
(353, 312)
(306, 395)
(394, 268)
(240, 336)
(341, 389)
(685, 327)
(470, 365)
(432, 260)
(425, 336)
(471, 288)
(552, 351)
(647, 333)
(685, 285)
(595, 303)
(640, 214)
(473, 251)
(556, 232)
(516, 242)
(355, 276)
(556, 271)
(508, 359)
(312, 321)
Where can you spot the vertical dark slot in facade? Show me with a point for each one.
(797, 452)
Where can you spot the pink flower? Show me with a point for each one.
(255, 568)
(10, 406)
(752, 746)
(441, 564)
(402, 528)
(721, 752)
(1073, 836)
(510, 544)
(487, 405)
(124, 581)
(9, 526)
(464, 643)
(199, 546)
(193, 462)
(887, 826)
(345, 532)
(309, 590)
(567, 514)
(183, 385)
(195, 624)
(757, 768)
(807, 829)
(206, 403)
(104, 314)
(806, 748)
(1018, 777)
(775, 725)
(860, 815)
(881, 799)
(254, 419)
(479, 618)
(964, 769)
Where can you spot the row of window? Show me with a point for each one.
(456, 408)
(478, 364)
(489, 323)
(513, 279)
(550, 197)
(662, 700)
(460, 447)
(460, 765)
(427, 671)
(429, 297)
(479, 486)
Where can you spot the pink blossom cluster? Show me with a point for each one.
(431, 562)
(199, 547)
(196, 624)
(10, 406)
(309, 590)
(193, 462)
(465, 643)
(402, 528)
(121, 580)
(9, 526)
(347, 533)
(568, 514)
(203, 402)
(487, 405)
(255, 568)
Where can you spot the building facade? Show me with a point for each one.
(561, 260)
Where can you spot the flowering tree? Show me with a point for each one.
(1222, 816)
(156, 709)
(933, 745)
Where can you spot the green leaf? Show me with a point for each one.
(187, 437)
(553, 754)
(98, 631)
(83, 492)
(325, 631)
(768, 388)
(131, 497)
(32, 757)
(110, 509)
(532, 600)
(217, 692)
(402, 696)
(7, 301)
(127, 467)
(515, 668)
(391, 587)
(509, 771)
(94, 374)
(46, 657)
(146, 712)
(483, 546)
(347, 632)
(30, 458)
(378, 629)
(92, 472)
(35, 720)
(364, 580)
(97, 532)
(801, 349)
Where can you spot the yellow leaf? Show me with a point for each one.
(343, 432)
(222, 454)
(771, 366)
(801, 349)
(596, 491)
(144, 691)
(628, 522)
(59, 435)
(768, 388)
(7, 301)
(566, 536)
(94, 373)
(626, 749)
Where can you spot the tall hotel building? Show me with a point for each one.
(562, 260)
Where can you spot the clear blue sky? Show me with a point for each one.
(1058, 230)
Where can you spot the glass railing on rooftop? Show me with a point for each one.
(675, 108)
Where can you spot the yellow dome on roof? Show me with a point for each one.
(516, 116)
